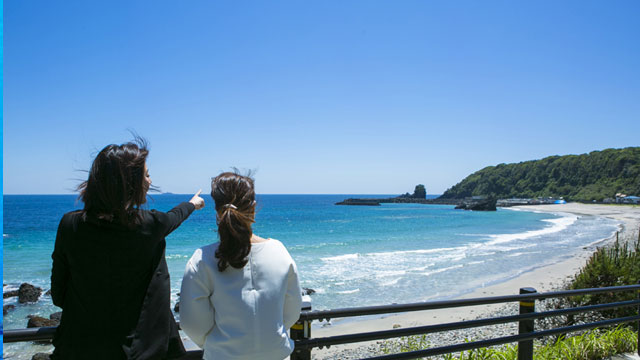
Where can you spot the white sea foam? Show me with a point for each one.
(392, 282)
(418, 251)
(399, 253)
(516, 254)
(475, 262)
(558, 224)
(341, 257)
(422, 268)
(382, 274)
(429, 273)
(349, 291)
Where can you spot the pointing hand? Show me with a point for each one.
(197, 201)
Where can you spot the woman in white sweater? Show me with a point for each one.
(240, 295)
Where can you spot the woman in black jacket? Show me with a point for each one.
(109, 273)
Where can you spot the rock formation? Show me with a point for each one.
(478, 204)
(6, 308)
(28, 293)
(38, 321)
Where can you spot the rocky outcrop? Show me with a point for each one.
(41, 356)
(6, 308)
(38, 321)
(56, 316)
(369, 202)
(308, 291)
(9, 294)
(28, 293)
(418, 193)
(478, 204)
(419, 196)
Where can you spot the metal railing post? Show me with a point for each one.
(638, 312)
(302, 330)
(525, 348)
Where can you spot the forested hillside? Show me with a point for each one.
(593, 176)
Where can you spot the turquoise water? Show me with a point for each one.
(351, 255)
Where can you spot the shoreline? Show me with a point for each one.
(543, 279)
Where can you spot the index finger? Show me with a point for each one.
(198, 193)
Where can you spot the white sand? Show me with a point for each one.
(542, 279)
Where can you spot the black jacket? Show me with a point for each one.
(113, 286)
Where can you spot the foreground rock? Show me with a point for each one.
(41, 356)
(56, 316)
(9, 294)
(308, 291)
(39, 321)
(28, 293)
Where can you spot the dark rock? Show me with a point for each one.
(369, 202)
(478, 204)
(6, 308)
(48, 293)
(56, 316)
(41, 356)
(418, 193)
(9, 294)
(38, 321)
(177, 307)
(28, 293)
(308, 291)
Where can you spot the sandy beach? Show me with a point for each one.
(543, 279)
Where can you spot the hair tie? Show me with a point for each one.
(226, 206)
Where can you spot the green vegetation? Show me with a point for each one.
(615, 266)
(594, 176)
(597, 344)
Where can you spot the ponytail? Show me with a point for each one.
(234, 197)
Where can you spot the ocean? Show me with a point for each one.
(350, 255)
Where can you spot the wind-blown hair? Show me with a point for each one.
(116, 186)
(235, 197)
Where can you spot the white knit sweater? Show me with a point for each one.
(241, 313)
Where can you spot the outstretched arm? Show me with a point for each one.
(180, 213)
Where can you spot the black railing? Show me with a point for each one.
(524, 338)
(301, 331)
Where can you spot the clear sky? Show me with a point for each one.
(342, 97)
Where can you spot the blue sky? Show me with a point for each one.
(317, 97)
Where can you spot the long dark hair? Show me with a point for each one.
(116, 186)
(235, 197)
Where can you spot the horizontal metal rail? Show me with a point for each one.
(427, 329)
(31, 334)
(433, 305)
(504, 340)
(304, 344)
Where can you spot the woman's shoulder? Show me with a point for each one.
(275, 243)
(277, 246)
(71, 218)
(205, 255)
